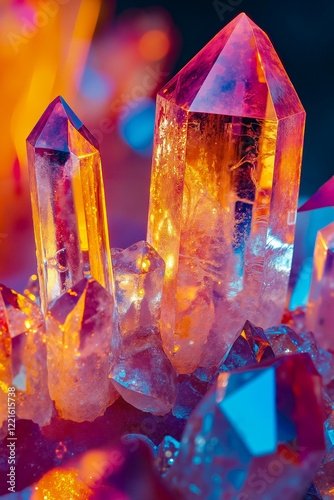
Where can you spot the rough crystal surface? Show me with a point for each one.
(140, 370)
(139, 275)
(250, 436)
(224, 188)
(23, 362)
(68, 203)
(284, 340)
(79, 329)
(320, 310)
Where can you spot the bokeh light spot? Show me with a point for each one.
(137, 126)
(154, 45)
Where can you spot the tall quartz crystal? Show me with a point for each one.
(225, 178)
(68, 203)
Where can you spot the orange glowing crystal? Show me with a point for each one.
(320, 312)
(68, 203)
(224, 188)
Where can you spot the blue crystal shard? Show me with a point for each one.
(249, 437)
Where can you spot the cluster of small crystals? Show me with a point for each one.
(171, 332)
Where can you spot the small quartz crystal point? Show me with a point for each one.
(224, 188)
(23, 363)
(320, 307)
(250, 348)
(79, 329)
(257, 434)
(68, 204)
(141, 372)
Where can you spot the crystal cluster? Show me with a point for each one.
(250, 413)
(224, 189)
(23, 363)
(250, 436)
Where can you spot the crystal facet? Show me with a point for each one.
(23, 357)
(250, 348)
(324, 197)
(79, 329)
(320, 307)
(225, 177)
(141, 371)
(283, 340)
(251, 435)
(68, 203)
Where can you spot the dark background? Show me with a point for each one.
(303, 36)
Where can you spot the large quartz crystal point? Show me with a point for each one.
(257, 434)
(23, 356)
(68, 205)
(224, 188)
(320, 307)
(141, 371)
(79, 328)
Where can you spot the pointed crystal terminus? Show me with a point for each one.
(224, 188)
(68, 203)
(320, 311)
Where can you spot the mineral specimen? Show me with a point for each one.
(140, 371)
(250, 348)
(224, 188)
(79, 329)
(320, 310)
(68, 203)
(284, 340)
(251, 438)
(23, 357)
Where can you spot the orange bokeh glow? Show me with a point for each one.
(154, 45)
(61, 484)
